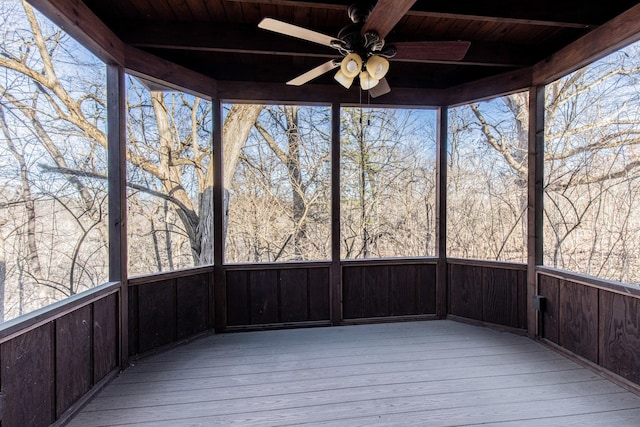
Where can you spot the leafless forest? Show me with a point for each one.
(277, 174)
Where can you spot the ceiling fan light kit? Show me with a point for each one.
(363, 48)
(343, 79)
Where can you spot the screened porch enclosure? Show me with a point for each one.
(183, 233)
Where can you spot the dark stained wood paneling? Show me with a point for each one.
(352, 292)
(465, 284)
(27, 379)
(157, 314)
(105, 336)
(550, 289)
(500, 293)
(620, 335)
(237, 298)
(376, 301)
(319, 294)
(523, 300)
(192, 296)
(579, 319)
(73, 357)
(405, 290)
(263, 288)
(293, 295)
(133, 309)
(427, 284)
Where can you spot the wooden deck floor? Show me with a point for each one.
(433, 373)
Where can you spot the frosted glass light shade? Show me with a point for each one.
(351, 65)
(343, 79)
(377, 66)
(367, 81)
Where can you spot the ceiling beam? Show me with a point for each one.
(256, 92)
(77, 20)
(568, 14)
(622, 30)
(253, 41)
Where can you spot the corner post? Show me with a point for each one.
(117, 181)
(535, 195)
(441, 212)
(336, 270)
(219, 285)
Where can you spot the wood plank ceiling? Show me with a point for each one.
(220, 38)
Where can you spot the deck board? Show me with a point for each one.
(436, 373)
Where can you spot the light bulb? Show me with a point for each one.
(351, 65)
(377, 67)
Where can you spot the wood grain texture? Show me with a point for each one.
(105, 336)
(352, 292)
(620, 335)
(405, 290)
(133, 325)
(294, 295)
(157, 315)
(436, 373)
(319, 294)
(376, 299)
(578, 330)
(28, 379)
(73, 357)
(192, 305)
(427, 282)
(237, 298)
(500, 293)
(263, 288)
(465, 287)
(549, 287)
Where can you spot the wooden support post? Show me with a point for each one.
(117, 164)
(219, 283)
(535, 198)
(336, 269)
(441, 212)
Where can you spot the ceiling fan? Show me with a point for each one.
(362, 46)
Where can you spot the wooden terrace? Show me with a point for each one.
(571, 360)
(437, 373)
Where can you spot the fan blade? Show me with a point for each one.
(385, 15)
(382, 88)
(431, 51)
(295, 31)
(316, 72)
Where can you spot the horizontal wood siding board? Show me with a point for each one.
(594, 282)
(549, 287)
(620, 335)
(319, 294)
(18, 326)
(192, 305)
(405, 290)
(28, 378)
(237, 291)
(73, 357)
(427, 286)
(105, 337)
(277, 265)
(352, 292)
(487, 263)
(263, 288)
(294, 287)
(579, 319)
(157, 315)
(168, 275)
